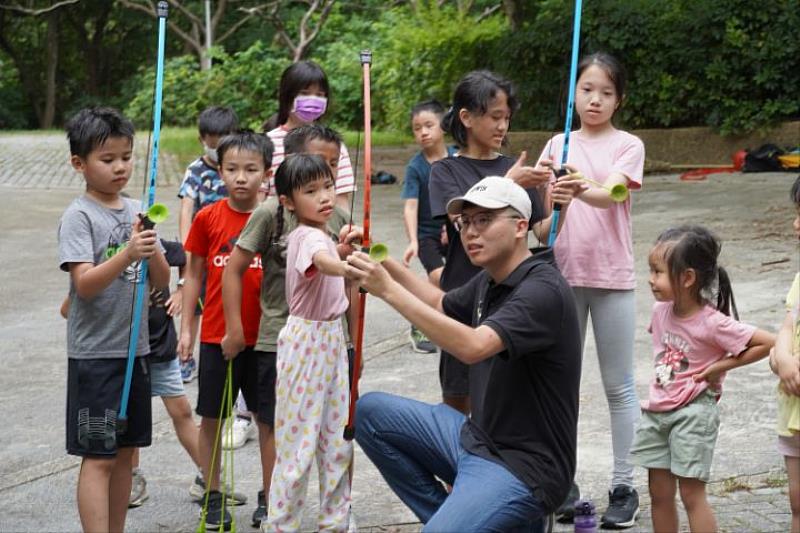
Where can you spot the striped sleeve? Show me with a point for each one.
(345, 182)
(278, 155)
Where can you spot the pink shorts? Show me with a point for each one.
(789, 446)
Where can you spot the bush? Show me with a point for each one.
(15, 113)
(247, 81)
(426, 53)
(729, 65)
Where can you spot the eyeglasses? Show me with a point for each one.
(480, 222)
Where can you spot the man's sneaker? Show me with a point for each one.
(420, 343)
(217, 517)
(197, 490)
(260, 514)
(187, 370)
(565, 514)
(244, 429)
(623, 508)
(138, 489)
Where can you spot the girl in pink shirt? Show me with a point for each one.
(594, 251)
(312, 391)
(695, 342)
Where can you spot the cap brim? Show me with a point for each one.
(456, 205)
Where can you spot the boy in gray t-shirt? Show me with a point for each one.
(101, 244)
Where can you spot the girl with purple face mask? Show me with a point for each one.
(302, 99)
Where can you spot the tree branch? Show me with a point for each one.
(218, 13)
(151, 10)
(194, 19)
(37, 12)
(488, 12)
(233, 28)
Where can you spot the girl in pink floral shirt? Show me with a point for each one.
(695, 342)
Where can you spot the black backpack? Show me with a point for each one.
(763, 159)
(383, 178)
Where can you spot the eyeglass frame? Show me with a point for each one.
(460, 227)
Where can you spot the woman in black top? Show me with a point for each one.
(478, 121)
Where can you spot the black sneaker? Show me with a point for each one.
(623, 508)
(420, 343)
(260, 514)
(565, 514)
(217, 517)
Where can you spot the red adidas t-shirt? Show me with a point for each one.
(213, 235)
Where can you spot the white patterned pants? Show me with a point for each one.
(312, 393)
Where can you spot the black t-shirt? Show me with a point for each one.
(451, 177)
(524, 400)
(163, 337)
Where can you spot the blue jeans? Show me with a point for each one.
(412, 443)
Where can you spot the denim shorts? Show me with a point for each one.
(165, 379)
(681, 441)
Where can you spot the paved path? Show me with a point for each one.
(41, 161)
(37, 479)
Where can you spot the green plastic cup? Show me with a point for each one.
(378, 252)
(619, 193)
(158, 213)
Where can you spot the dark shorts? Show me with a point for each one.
(253, 373)
(431, 253)
(453, 376)
(94, 394)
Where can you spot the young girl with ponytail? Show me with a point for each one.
(695, 342)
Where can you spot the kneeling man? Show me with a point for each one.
(512, 460)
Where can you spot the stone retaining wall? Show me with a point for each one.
(664, 147)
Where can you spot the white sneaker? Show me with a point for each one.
(138, 489)
(244, 429)
(352, 527)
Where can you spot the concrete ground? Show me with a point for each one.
(750, 212)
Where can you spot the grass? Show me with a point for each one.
(183, 142)
(777, 481)
(9, 133)
(733, 484)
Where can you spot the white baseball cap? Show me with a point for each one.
(494, 192)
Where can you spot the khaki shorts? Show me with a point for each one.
(681, 441)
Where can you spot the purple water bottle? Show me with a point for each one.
(585, 518)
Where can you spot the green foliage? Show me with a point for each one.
(424, 54)
(734, 66)
(247, 81)
(14, 113)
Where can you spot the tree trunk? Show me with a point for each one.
(514, 13)
(48, 116)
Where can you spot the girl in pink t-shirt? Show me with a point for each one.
(312, 390)
(594, 252)
(695, 342)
